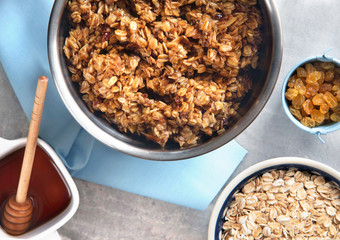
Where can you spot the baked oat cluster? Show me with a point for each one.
(162, 68)
(285, 204)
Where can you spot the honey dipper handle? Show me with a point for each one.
(32, 138)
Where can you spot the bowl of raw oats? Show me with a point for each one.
(167, 79)
(280, 198)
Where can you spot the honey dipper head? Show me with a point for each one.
(17, 217)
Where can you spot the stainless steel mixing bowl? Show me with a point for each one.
(265, 77)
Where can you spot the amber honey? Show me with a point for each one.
(48, 189)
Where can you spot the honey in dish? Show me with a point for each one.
(48, 190)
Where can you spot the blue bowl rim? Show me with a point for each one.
(226, 196)
(323, 129)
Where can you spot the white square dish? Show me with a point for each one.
(48, 229)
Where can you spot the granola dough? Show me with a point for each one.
(164, 69)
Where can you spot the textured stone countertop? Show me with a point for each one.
(309, 28)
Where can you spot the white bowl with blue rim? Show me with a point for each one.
(319, 130)
(226, 197)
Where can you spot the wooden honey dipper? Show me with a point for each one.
(18, 210)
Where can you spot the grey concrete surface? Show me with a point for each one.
(309, 28)
(13, 121)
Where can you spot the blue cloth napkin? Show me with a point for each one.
(23, 53)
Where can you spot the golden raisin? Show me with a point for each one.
(335, 117)
(326, 116)
(303, 113)
(308, 106)
(309, 68)
(337, 70)
(336, 108)
(300, 86)
(298, 101)
(324, 108)
(291, 81)
(317, 116)
(322, 78)
(330, 99)
(318, 99)
(337, 95)
(326, 87)
(311, 89)
(301, 72)
(329, 75)
(336, 88)
(291, 93)
(336, 80)
(327, 65)
(317, 66)
(308, 122)
(313, 77)
(296, 113)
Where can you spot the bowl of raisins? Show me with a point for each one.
(311, 95)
